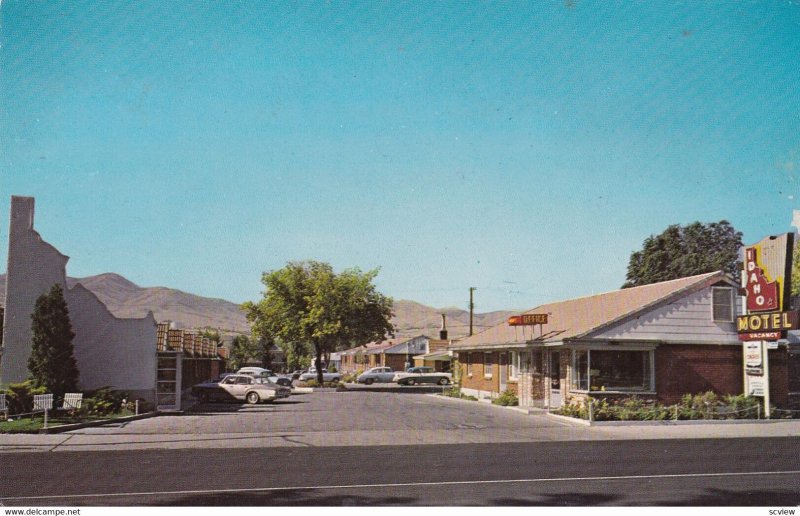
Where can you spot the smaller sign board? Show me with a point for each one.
(527, 319)
(42, 402)
(755, 385)
(753, 358)
(767, 326)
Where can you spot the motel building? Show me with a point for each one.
(657, 341)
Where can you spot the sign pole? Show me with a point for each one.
(765, 359)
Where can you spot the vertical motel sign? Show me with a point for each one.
(766, 279)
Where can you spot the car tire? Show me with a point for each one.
(369, 381)
(253, 397)
(335, 379)
(411, 382)
(443, 381)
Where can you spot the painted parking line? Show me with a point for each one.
(403, 484)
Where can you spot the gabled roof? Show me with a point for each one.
(365, 348)
(576, 318)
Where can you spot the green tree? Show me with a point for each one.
(309, 302)
(682, 251)
(242, 351)
(212, 334)
(52, 362)
(265, 343)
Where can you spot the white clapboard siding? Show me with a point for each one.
(687, 319)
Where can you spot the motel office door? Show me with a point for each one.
(555, 379)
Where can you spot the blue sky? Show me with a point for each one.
(521, 148)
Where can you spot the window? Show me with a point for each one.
(580, 370)
(513, 365)
(535, 364)
(468, 361)
(722, 304)
(487, 364)
(611, 370)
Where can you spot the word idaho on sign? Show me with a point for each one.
(767, 272)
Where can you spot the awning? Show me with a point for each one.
(443, 355)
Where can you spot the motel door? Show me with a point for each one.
(555, 379)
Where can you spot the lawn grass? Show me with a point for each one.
(28, 425)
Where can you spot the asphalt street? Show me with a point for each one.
(646, 472)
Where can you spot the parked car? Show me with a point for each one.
(260, 372)
(296, 373)
(326, 376)
(421, 374)
(376, 374)
(240, 387)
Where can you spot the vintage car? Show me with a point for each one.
(326, 376)
(376, 374)
(260, 372)
(240, 387)
(421, 374)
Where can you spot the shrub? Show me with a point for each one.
(741, 406)
(104, 401)
(350, 378)
(452, 392)
(507, 399)
(575, 409)
(19, 396)
(314, 383)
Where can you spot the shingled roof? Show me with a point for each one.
(578, 317)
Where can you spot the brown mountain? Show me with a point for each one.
(126, 299)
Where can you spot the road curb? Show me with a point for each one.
(100, 422)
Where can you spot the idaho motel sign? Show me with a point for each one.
(766, 278)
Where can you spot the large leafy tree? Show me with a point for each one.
(52, 361)
(682, 251)
(243, 350)
(307, 302)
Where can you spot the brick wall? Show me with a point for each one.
(478, 380)
(694, 369)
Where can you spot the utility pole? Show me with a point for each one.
(471, 308)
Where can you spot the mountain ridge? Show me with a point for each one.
(126, 299)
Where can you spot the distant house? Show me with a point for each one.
(657, 341)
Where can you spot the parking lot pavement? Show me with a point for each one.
(358, 419)
(316, 419)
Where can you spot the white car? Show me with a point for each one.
(376, 374)
(260, 372)
(326, 376)
(415, 375)
(240, 387)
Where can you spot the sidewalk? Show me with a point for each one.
(87, 440)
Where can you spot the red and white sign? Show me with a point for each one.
(765, 273)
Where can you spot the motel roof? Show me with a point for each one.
(576, 318)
